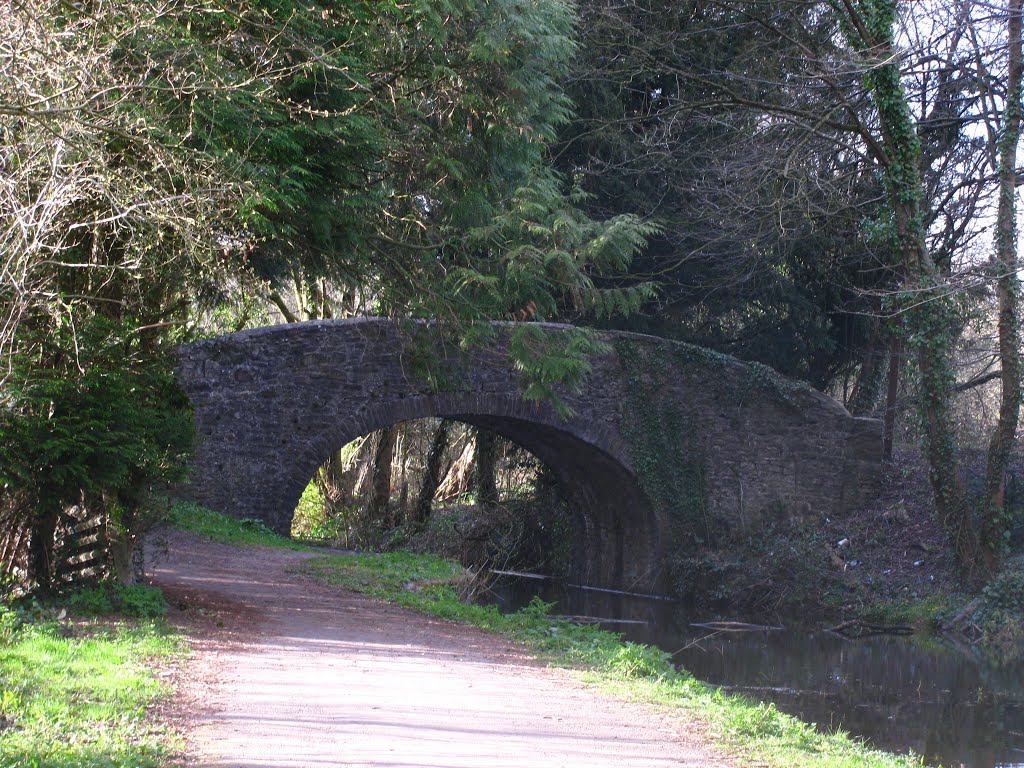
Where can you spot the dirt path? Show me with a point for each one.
(290, 673)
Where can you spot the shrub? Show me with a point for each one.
(1001, 614)
(637, 660)
(135, 600)
(1006, 591)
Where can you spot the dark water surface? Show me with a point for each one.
(937, 698)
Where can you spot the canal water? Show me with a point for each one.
(938, 698)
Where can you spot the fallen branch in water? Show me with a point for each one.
(957, 621)
(736, 626)
(586, 587)
(523, 575)
(599, 620)
(855, 628)
(624, 593)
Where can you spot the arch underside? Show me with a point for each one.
(618, 542)
(619, 545)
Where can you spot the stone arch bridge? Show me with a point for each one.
(667, 442)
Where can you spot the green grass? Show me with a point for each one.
(187, 516)
(924, 614)
(76, 694)
(756, 733)
(138, 601)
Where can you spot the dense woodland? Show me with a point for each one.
(826, 187)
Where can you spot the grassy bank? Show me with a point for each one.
(187, 516)
(74, 691)
(756, 733)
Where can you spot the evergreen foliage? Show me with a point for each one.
(168, 159)
(108, 432)
(118, 425)
(761, 252)
(396, 151)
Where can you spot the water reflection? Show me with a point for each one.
(901, 694)
(941, 700)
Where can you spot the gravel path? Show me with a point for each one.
(290, 673)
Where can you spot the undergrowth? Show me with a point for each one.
(1000, 615)
(924, 614)
(137, 601)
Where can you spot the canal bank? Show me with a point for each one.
(952, 702)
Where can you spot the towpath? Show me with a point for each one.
(286, 672)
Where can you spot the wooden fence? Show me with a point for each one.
(80, 553)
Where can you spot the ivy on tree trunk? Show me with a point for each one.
(927, 311)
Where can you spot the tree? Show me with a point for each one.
(394, 153)
(105, 225)
(432, 473)
(380, 484)
(760, 252)
(927, 299)
(100, 212)
(928, 313)
(485, 457)
(1005, 268)
(928, 308)
(887, 101)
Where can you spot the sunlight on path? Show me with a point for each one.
(331, 679)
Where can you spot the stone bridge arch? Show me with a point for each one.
(664, 435)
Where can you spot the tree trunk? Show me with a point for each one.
(40, 548)
(930, 328)
(432, 473)
(866, 388)
(995, 523)
(380, 487)
(940, 449)
(122, 555)
(892, 391)
(457, 479)
(364, 460)
(486, 456)
(928, 315)
(336, 481)
(397, 509)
